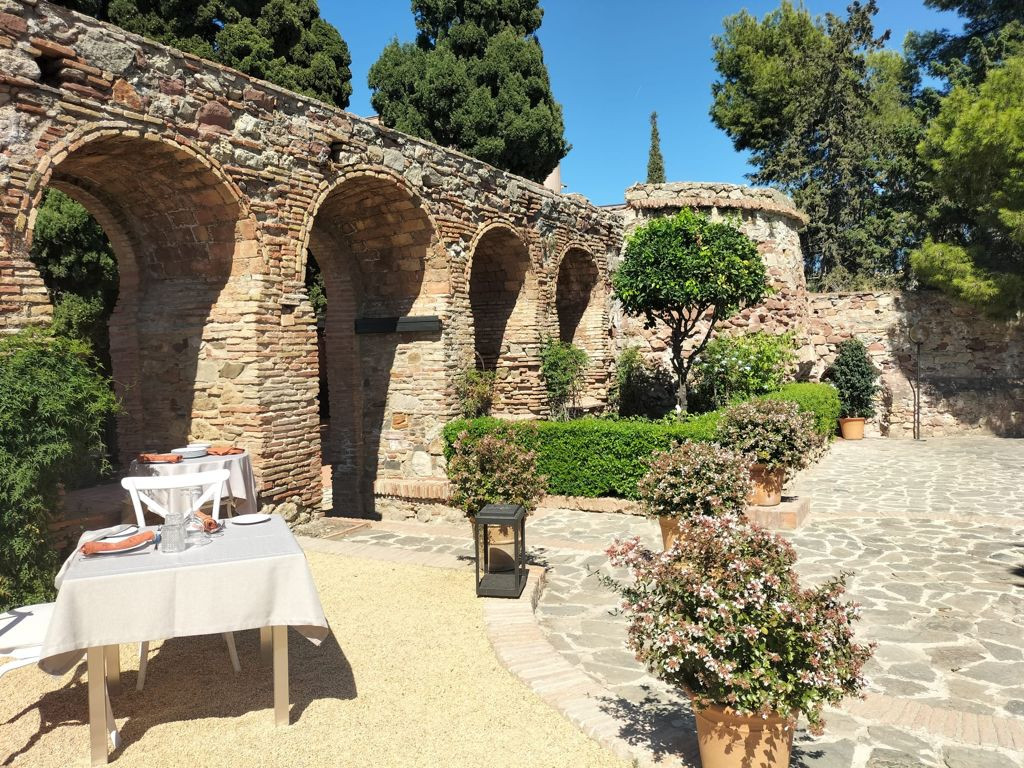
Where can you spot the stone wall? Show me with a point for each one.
(972, 368)
(213, 187)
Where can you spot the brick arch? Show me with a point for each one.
(381, 257)
(581, 311)
(178, 229)
(504, 299)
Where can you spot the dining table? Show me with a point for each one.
(240, 488)
(253, 575)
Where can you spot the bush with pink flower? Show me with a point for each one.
(695, 479)
(493, 470)
(724, 618)
(773, 433)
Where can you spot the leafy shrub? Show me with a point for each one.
(562, 367)
(821, 400)
(695, 479)
(53, 407)
(855, 378)
(493, 470)
(723, 617)
(474, 390)
(734, 368)
(771, 432)
(641, 388)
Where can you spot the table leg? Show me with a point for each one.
(280, 675)
(112, 658)
(266, 645)
(97, 705)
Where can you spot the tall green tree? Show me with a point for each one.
(475, 79)
(283, 41)
(828, 117)
(975, 150)
(655, 162)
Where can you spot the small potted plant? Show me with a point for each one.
(494, 470)
(776, 436)
(724, 619)
(693, 479)
(856, 379)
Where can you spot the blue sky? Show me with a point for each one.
(611, 63)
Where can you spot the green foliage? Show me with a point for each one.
(493, 469)
(695, 479)
(774, 433)
(474, 389)
(475, 79)
(855, 378)
(316, 288)
(819, 400)
(655, 162)
(975, 149)
(283, 41)
(829, 118)
(54, 404)
(641, 388)
(683, 270)
(736, 368)
(563, 366)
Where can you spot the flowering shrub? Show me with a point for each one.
(493, 470)
(724, 618)
(695, 479)
(774, 433)
(734, 368)
(474, 391)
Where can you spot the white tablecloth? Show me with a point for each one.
(241, 485)
(252, 576)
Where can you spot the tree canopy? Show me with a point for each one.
(684, 270)
(828, 117)
(283, 41)
(655, 162)
(475, 80)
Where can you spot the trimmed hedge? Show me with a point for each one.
(605, 457)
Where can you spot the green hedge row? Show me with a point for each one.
(605, 457)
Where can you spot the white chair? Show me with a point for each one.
(22, 632)
(212, 486)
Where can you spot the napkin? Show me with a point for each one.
(209, 524)
(224, 450)
(92, 547)
(148, 458)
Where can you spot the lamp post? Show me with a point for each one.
(498, 572)
(918, 334)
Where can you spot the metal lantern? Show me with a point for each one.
(500, 548)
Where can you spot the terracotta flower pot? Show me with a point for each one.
(852, 428)
(767, 491)
(669, 531)
(728, 740)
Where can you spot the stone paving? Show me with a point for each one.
(932, 533)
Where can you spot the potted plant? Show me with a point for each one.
(856, 380)
(693, 479)
(724, 619)
(494, 470)
(776, 435)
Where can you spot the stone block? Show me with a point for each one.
(789, 515)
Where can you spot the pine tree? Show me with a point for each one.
(475, 79)
(655, 162)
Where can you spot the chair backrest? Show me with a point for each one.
(211, 483)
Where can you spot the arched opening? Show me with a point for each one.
(174, 227)
(502, 299)
(373, 244)
(579, 303)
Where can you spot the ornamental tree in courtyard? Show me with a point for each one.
(688, 272)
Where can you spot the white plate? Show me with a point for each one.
(191, 452)
(130, 531)
(252, 519)
(136, 548)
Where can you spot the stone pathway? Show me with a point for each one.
(932, 532)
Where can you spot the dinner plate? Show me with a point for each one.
(251, 519)
(130, 531)
(136, 548)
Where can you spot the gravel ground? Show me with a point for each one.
(409, 680)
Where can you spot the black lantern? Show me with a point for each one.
(500, 551)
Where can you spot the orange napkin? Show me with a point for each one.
(224, 450)
(148, 458)
(209, 524)
(92, 547)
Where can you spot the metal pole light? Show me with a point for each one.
(918, 333)
(500, 573)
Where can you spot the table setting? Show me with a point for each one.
(240, 488)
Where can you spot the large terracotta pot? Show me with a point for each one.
(669, 530)
(852, 428)
(501, 541)
(729, 740)
(767, 490)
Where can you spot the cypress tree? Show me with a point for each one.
(655, 162)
